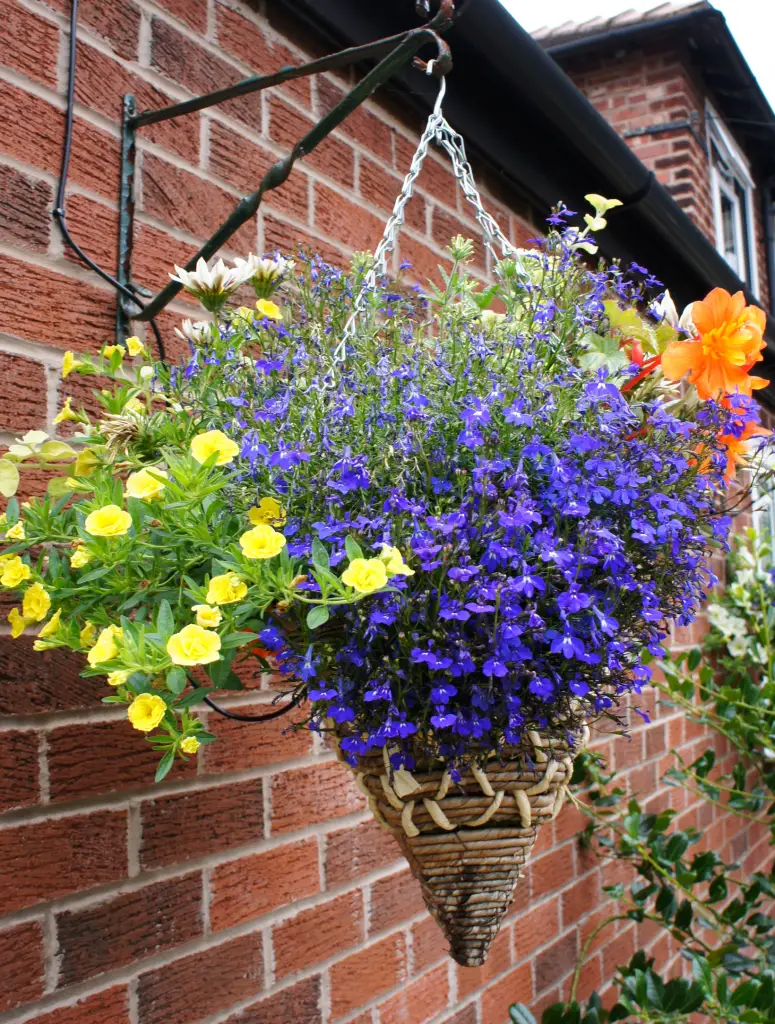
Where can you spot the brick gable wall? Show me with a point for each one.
(252, 886)
(654, 84)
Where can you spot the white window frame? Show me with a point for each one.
(720, 139)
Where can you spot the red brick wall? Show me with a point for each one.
(653, 84)
(251, 887)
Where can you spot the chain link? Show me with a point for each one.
(437, 130)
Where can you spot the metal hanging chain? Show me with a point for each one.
(437, 130)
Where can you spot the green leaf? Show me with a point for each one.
(319, 554)
(353, 548)
(9, 478)
(97, 574)
(165, 620)
(195, 696)
(177, 679)
(165, 764)
(317, 615)
(602, 352)
(694, 659)
(677, 845)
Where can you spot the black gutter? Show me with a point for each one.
(523, 117)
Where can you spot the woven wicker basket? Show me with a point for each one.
(468, 843)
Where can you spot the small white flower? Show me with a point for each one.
(265, 274)
(212, 286)
(195, 331)
(665, 310)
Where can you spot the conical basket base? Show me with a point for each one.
(468, 842)
(468, 882)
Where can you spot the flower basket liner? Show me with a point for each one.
(467, 843)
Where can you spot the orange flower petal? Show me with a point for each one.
(681, 358)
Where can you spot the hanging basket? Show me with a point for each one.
(467, 843)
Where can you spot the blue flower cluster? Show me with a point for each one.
(555, 524)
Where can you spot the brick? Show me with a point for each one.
(203, 984)
(101, 83)
(535, 928)
(424, 261)
(394, 900)
(251, 886)
(338, 218)
(367, 129)
(551, 871)
(552, 964)
(188, 825)
(200, 71)
(25, 401)
(190, 203)
(243, 164)
(39, 681)
(380, 188)
(128, 927)
(247, 745)
(192, 12)
(118, 22)
(444, 227)
(154, 257)
(242, 37)
(580, 899)
(318, 933)
(628, 752)
(48, 859)
(25, 210)
(436, 178)
(419, 1002)
(67, 311)
(516, 987)
(429, 944)
(287, 238)
(32, 133)
(102, 757)
(94, 226)
(465, 1016)
(30, 43)
(108, 1007)
(353, 852)
(19, 769)
(21, 965)
(469, 979)
(365, 975)
(305, 796)
(299, 1003)
(333, 157)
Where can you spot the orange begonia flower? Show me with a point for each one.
(729, 341)
(737, 448)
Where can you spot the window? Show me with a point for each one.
(732, 191)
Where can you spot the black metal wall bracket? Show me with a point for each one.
(393, 53)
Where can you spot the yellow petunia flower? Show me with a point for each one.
(85, 463)
(50, 628)
(87, 634)
(136, 405)
(211, 442)
(109, 521)
(69, 363)
(143, 484)
(262, 542)
(36, 603)
(365, 575)
(14, 572)
(268, 510)
(67, 414)
(146, 711)
(226, 589)
(18, 623)
(119, 677)
(207, 616)
(394, 561)
(79, 558)
(194, 646)
(109, 350)
(190, 745)
(134, 346)
(106, 647)
(269, 309)
(16, 532)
